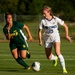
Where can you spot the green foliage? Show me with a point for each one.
(8, 6)
(62, 8)
(36, 7)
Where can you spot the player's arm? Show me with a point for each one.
(66, 32)
(8, 35)
(40, 36)
(28, 32)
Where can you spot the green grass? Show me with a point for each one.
(8, 66)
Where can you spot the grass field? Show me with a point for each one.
(8, 66)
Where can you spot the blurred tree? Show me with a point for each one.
(32, 7)
(23, 6)
(62, 8)
(8, 6)
(36, 7)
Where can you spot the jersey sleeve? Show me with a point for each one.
(59, 21)
(41, 25)
(20, 25)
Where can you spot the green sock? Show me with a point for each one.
(21, 62)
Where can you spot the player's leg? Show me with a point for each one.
(50, 56)
(27, 53)
(61, 58)
(15, 54)
(48, 50)
(26, 48)
(23, 55)
(24, 52)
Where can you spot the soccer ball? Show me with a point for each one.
(36, 66)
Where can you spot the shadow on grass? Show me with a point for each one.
(20, 70)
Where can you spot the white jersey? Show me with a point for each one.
(50, 28)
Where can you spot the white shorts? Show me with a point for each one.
(48, 41)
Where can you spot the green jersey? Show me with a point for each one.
(18, 38)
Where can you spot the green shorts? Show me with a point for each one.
(19, 46)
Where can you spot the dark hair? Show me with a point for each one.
(6, 14)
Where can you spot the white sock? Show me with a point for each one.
(53, 57)
(62, 61)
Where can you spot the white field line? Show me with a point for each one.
(41, 51)
(36, 59)
(38, 55)
(71, 57)
(44, 58)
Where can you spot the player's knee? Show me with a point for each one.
(15, 56)
(23, 56)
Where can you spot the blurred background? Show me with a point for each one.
(30, 13)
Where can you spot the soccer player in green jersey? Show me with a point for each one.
(18, 44)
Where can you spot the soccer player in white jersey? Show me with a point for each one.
(51, 36)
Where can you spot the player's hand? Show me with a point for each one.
(30, 39)
(69, 38)
(40, 43)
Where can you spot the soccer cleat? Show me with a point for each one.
(27, 68)
(55, 61)
(28, 55)
(65, 71)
